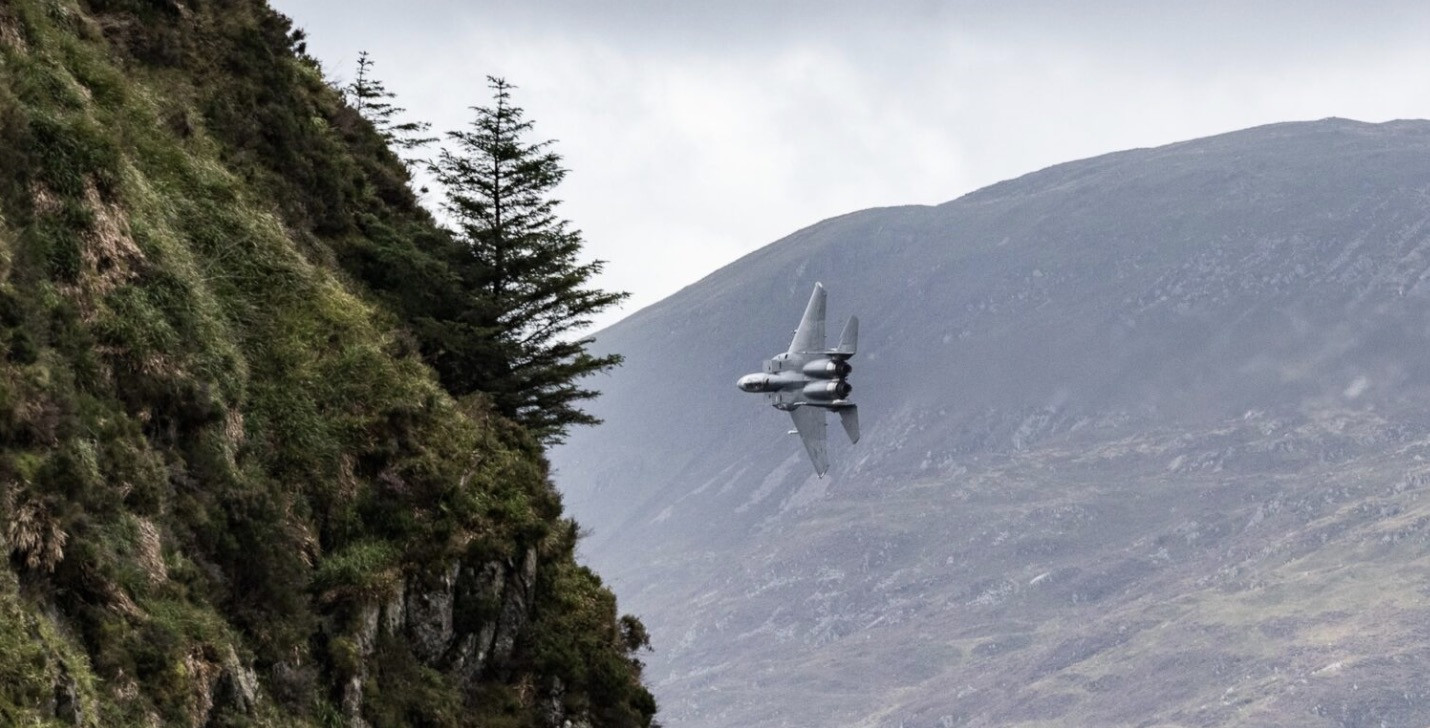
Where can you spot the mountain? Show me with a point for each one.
(1144, 443)
(233, 492)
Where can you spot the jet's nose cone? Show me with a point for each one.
(749, 383)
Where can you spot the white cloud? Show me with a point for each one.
(694, 135)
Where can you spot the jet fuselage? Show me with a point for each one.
(797, 387)
(809, 378)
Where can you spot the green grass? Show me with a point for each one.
(36, 661)
(206, 389)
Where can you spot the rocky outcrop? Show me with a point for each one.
(464, 621)
(236, 690)
(556, 714)
(68, 707)
(221, 686)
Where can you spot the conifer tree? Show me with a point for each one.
(529, 289)
(370, 98)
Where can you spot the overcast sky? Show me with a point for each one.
(696, 132)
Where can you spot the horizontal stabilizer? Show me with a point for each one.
(849, 417)
(809, 423)
(849, 340)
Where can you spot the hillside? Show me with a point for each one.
(1144, 444)
(232, 489)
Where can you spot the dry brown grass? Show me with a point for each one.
(526, 691)
(109, 257)
(203, 673)
(310, 548)
(10, 35)
(150, 551)
(34, 534)
(233, 427)
(41, 417)
(119, 600)
(7, 246)
(43, 201)
(348, 483)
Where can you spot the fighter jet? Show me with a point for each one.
(809, 379)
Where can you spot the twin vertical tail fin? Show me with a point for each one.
(849, 340)
(810, 334)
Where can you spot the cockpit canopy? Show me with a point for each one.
(756, 383)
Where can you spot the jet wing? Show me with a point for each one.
(810, 334)
(809, 421)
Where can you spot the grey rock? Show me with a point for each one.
(365, 637)
(351, 703)
(477, 589)
(68, 707)
(367, 623)
(429, 616)
(236, 690)
(515, 607)
(394, 612)
(556, 714)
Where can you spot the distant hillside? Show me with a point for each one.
(232, 493)
(1144, 443)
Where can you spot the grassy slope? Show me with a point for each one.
(1255, 573)
(209, 444)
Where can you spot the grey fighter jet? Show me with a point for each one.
(809, 379)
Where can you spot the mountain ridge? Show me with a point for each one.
(1242, 317)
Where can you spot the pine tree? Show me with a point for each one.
(529, 290)
(370, 98)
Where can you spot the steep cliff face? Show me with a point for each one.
(231, 492)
